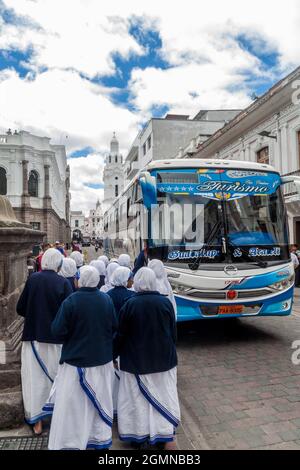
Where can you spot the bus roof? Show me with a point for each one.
(206, 163)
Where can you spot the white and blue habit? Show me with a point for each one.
(81, 396)
(148, 405)
(38, 304)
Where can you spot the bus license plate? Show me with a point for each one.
(230, 309)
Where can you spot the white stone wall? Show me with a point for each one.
(94, 222)
(283, 152)
(38, 151)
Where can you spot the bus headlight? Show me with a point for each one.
(180, 289)
(283, 285)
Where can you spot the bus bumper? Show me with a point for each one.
(278, 305)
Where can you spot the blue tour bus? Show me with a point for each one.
(239, 265)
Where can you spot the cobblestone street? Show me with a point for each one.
(237, 384)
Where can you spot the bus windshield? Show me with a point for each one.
(218, 221)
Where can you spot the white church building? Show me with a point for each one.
(113, 175)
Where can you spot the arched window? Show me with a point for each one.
(3, 182)
(33, 184)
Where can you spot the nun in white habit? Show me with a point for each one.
(38, 304)
(148, 406)
(100, 266)
(105, 259)
(162, 283)
(112, 266)
(124, 260)
(68, 271)
(81, 398)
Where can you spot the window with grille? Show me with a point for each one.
(262, 156)
(3, 182)
(33, 184)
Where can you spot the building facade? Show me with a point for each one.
(162, 138)
(113, 175)
(77, 225)
(35, 177)
(94, 222)
(268, 131)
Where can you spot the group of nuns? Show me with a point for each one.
(97, 342)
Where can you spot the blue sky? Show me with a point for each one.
(115, 65)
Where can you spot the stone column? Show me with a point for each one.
(16, 242)
(47, 198)
(25, 194)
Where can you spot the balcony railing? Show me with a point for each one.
(289, 189)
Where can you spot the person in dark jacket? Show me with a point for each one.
(120, 293)
(142, 259)
(148, 407)
(82, 397)
(68, 271)
(39, 302)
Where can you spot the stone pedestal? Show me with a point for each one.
(16, 242)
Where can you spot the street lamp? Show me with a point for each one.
(267, 134)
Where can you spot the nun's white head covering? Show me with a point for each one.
(120, 276)
(68, 268)
(124, 260)
(52, 260)
(109, 272)
(114, 260)
(104, 259)
(144, 280)
(89, 277)
(162, 283)
(99, 265)
(78, 258)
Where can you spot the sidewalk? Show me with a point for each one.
(188, 435)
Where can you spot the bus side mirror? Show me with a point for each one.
(292, 179)
(148, 186)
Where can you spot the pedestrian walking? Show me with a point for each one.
(142, 259)
(148, 406)
(105, 259)
(124, 260)
(119, 292)
(79, 260)
(81, 398)
(68, 271)
(119, 295)
(162, 283)
(38, 304)
(112, 266)
(100, 266)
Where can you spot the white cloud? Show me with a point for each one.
(69, 35)
(60, 103)
(73, 39)
(86, 170)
